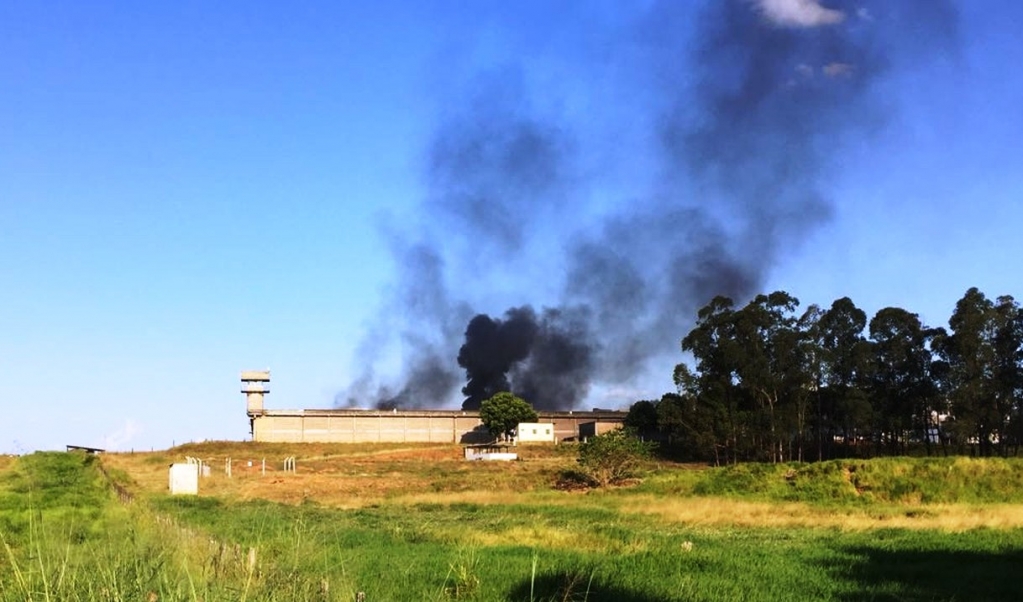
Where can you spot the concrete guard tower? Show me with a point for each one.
(255, 384)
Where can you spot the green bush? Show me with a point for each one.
(613, 457)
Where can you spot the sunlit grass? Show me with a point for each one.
(717, 511)
(420, 523)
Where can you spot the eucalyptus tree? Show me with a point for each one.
(710, 397)
(903, 391)
(694, 425)
(1009, 369)
(983, 355)
(769, 367)
(814, 360)
(751, 383)
(847, 369)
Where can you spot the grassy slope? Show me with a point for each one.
(857, 482)
(419, 523)
(64, 536)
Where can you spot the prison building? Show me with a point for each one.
(394, 426)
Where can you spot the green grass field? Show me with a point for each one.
(371, 521)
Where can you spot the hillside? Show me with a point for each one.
(947, 493)
(346, 475)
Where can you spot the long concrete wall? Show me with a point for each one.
(424, 426)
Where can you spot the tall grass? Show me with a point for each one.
(574, 553)
(65, 537)
(584, 552)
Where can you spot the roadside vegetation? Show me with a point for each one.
(370, 519)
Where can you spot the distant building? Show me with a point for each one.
(599, 426)
(396, 426)
(535, 432)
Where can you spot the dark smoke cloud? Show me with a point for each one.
(428, 320)
(744, 122)
(549, 357)
(644, 275)
(772, 109)
(749, 121)
(558, 372)
(491, 348)
(495, 167)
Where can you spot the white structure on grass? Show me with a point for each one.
(184, 479)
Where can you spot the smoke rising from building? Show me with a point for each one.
(736, 128)
(548, 356)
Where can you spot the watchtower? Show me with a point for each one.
(255, 384)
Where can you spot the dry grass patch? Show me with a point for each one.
(713, 511)
(342, 475)
(482, 497)
(493, 497)
(357, 476)
(328, 490)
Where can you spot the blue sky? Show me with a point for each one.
(189, 190)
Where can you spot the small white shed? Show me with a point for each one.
(489, 451)
(184, 479)
(535, 432)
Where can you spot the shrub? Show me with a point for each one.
(612, 457)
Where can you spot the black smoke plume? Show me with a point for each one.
(549, 356)
(738, 117)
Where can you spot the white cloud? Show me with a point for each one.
(838, 69)
(799, 13)
(804, 70)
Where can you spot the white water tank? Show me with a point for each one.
(184, 479)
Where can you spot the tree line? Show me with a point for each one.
(767, 382)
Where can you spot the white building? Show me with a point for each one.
(535, 432)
